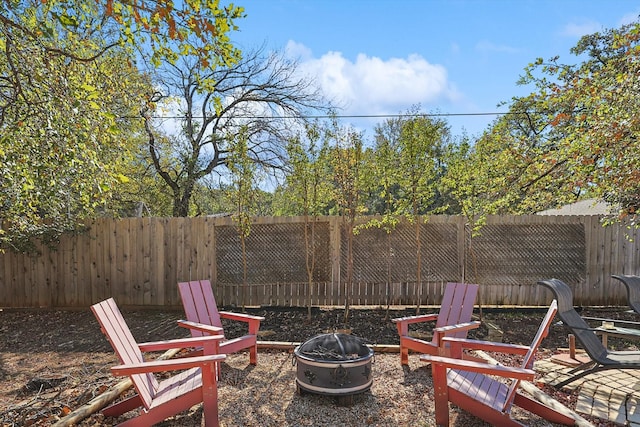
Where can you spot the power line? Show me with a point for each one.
(350, 116)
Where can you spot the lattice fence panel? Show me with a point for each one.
(385, 266)
(440, 261)
(520, 254)
(275, 254)
(373, 253)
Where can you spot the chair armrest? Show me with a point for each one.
(253, 322)
(441, 332)
(403, 323)
(180, 343)
(456, 328)
(166, 365)
(497, 347)
(209, 329)
(416, 319)
(242, 317)
(482, 368)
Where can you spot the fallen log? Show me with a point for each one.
(541, 396)
(102, 400)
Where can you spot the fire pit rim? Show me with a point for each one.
(297, 352)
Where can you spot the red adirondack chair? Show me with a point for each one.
(203, 318)
(197, 381)
(471, 386)
(453, 320)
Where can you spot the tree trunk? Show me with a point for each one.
(244, 272)
(419, 263)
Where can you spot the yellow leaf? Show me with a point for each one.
(122, 179)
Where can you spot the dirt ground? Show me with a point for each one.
(52, 362)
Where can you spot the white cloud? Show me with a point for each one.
(371, 85)
(577, 30)
(297, 50)
(630, 17)
(487, 46)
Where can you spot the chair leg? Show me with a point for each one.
(440, 394)
(123, 406)
(404, 355)
(253, 355)
(210, 395)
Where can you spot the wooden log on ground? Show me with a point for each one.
(99, 402)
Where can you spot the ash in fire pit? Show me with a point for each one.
(334, 364)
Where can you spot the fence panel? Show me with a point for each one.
(138, 261)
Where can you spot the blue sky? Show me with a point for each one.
(457, 56)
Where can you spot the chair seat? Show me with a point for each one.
(479, 387)
(177, 386)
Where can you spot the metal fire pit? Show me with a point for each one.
(333, 364)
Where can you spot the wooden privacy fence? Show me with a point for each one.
(139, 261)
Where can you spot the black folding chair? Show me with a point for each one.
(601, 357)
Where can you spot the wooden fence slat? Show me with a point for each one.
(41, 283)
(158, 248)
(83, 265)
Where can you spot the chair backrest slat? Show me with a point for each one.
(199, 303)
(446, 305)
(124, 344)
(528, 359)
(457, 306)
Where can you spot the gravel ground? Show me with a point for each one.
(262, 395)
(53, 362)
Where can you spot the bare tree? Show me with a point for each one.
(264, 93)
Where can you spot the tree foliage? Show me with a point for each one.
(308, 190)
(408, 164)
(242, 194)
(64, 136)
(419, 153)
(197, 28)
(346, 162)
(576, 135)
(69, 86)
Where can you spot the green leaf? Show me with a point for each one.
(66, 20)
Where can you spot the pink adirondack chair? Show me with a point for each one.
(203, 318)
(197, 381)
(471, 386)
(453, 320)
